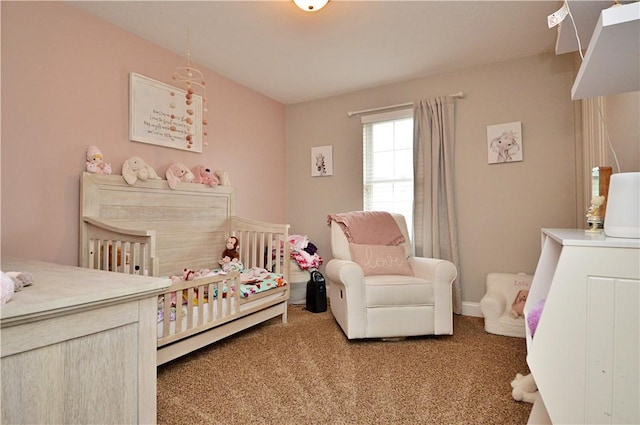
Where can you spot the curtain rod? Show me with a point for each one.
(459, 95)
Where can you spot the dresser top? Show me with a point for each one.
(579, 237)
(58, 288)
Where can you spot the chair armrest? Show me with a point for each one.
(498, 297)
(441, 272)
(347, 295)
(345, 272)
(493, 304)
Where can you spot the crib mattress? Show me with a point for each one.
(201, 309)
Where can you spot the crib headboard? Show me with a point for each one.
(167, 229)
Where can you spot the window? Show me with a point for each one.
(388, 163)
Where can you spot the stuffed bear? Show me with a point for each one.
(95, 162)
(21, 279)
(7, 288)
(134, 169)
(524, 388)
(205, 176)
(178, 172)
(11, 282)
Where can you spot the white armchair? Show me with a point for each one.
(386, 306)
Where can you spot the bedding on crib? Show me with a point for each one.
(205, 300)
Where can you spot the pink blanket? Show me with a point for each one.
(368, 227)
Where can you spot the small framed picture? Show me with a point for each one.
(322, 161)
(504, 142)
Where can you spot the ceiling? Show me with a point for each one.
(293, 56)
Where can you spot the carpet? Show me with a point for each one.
(308, 372)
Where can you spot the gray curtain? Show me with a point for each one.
(434, 212)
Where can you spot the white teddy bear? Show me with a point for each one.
(524, 388)
(12, 282)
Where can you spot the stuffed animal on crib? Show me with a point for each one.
(95, 161)
(524, 388)
(134, 169)
(12, 282)
(231, 252)
(228, 265)
(205, 176)
(188, 274)
(178, 172)
(223, 176)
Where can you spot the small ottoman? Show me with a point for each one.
(495, 306)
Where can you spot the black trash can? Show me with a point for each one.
(316, 293)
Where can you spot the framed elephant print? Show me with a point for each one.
(504, 142)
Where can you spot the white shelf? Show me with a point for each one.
(584, 355)
(585, 15)
(612, 62)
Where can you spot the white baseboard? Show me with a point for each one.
(471, 309)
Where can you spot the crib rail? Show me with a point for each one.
(116, 249)
(191, 307)
(262, 244)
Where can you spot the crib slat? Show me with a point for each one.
(166, 317)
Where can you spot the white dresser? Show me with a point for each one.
(79, 347)
(585, 354)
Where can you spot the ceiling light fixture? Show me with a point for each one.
(311, 5)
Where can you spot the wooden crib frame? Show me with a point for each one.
(151, 229)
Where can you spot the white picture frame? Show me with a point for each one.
(159, 115)
(322, 161)
(505, 142)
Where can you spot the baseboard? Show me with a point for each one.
(471, 309)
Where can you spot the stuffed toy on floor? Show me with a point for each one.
(524, 388)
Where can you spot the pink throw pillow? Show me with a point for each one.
(380, 259)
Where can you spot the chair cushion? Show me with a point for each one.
(397, 291)
(380, 259)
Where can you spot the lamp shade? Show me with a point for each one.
(311, 5)
(622, 218)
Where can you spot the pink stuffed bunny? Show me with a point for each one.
(205, 176)
(178, 172)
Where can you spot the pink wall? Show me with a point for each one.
(65, 87)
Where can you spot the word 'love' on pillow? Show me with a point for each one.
(380, 259)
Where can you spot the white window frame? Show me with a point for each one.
(376, 118)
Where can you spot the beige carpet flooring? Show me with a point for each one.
(307, 372)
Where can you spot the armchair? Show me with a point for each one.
(417, 301)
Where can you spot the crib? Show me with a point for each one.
(151, 229)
